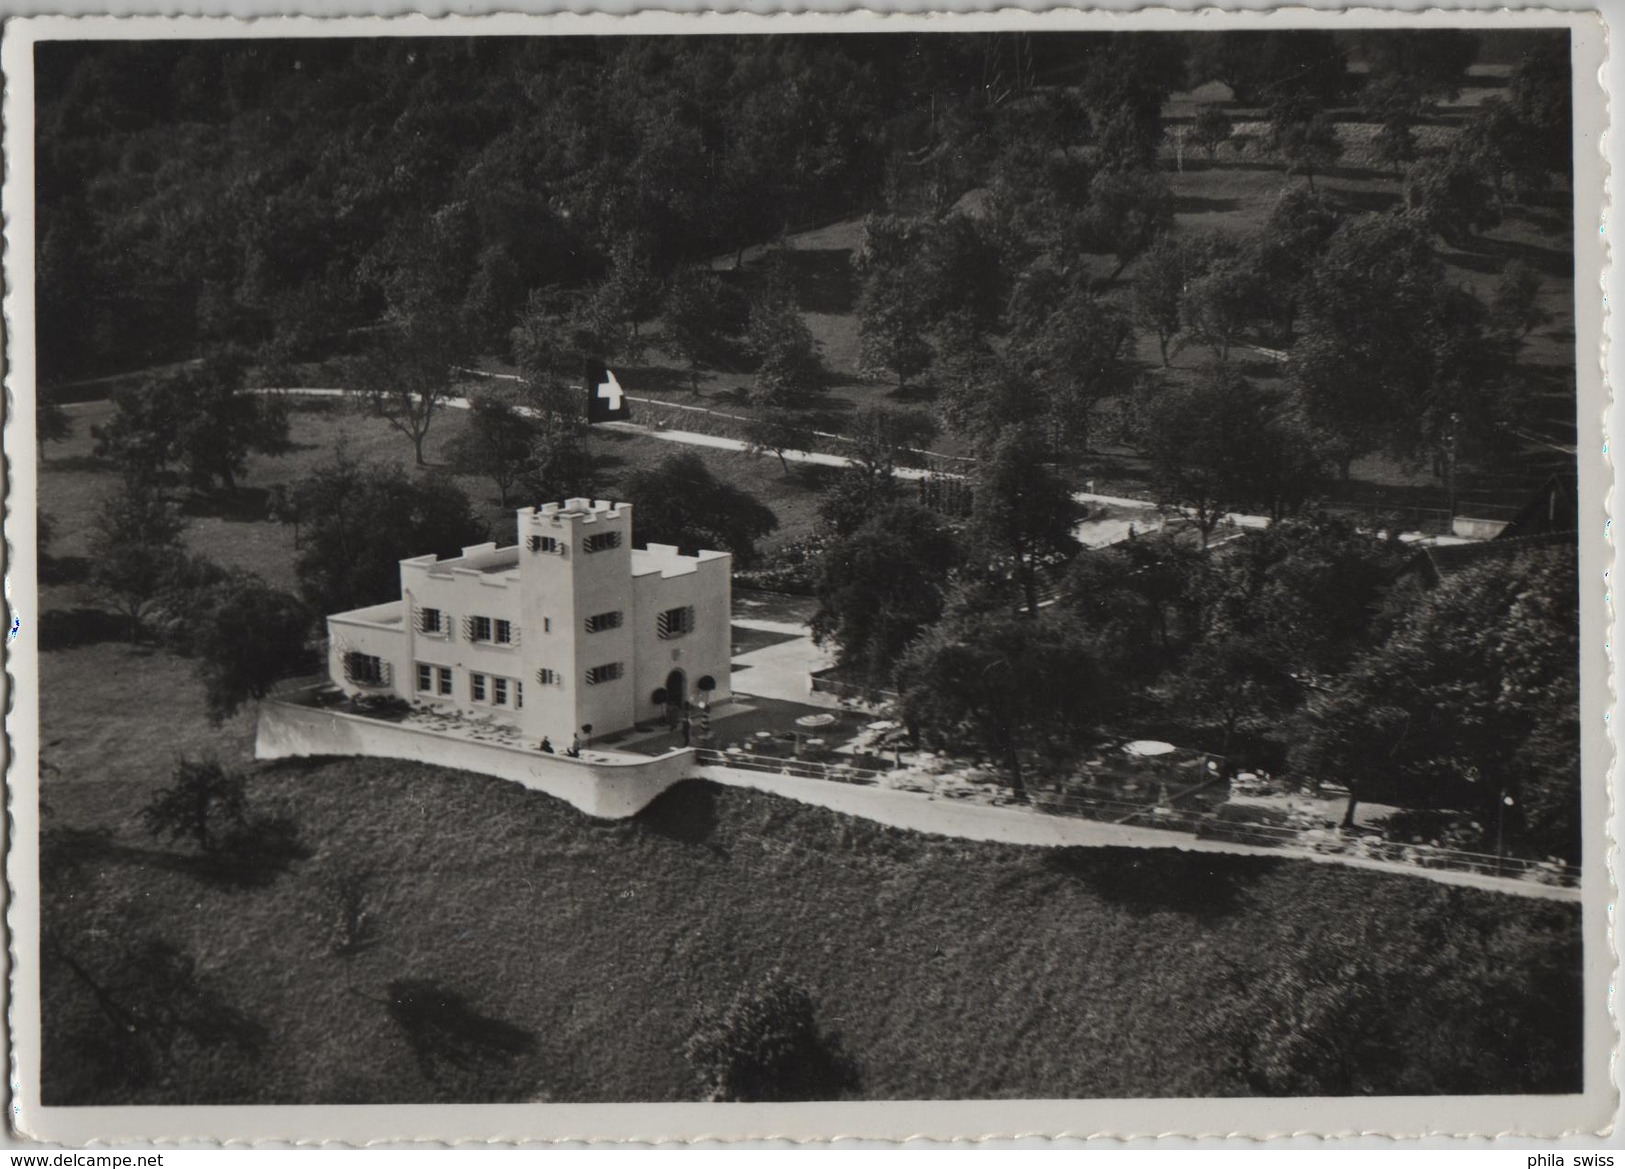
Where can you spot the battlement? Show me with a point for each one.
(668, 561)
(574, 511)
(484, 561)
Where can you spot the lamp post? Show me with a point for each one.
(1500, 833)
(1450, 473)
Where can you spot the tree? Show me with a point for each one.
(51, 422)
(1304, 136)
(199, 417)
(680, 502)
(767, 1045)
(885, 438)
(1219, 304)
(1022, 516)
(1123, 91)
(1080, 358)
(1211, 129)
(892, 324)
(1431, 63)
(695, 320)
(881, 585)
(1450, 196)
(631, 286)
(1264, 67)
(247, 637)
(203, 800)
(137, 548)
(788, 368)
(1282, 255)
(1472, 702)
(1515, 307)
(497, 444)
(358, 523)
(1159, 285)
(1390, 351)
(1127, 211)
(1541, 99)
(546, 346)
(406, 373)
(1223, 444)
(1135, 603)
(776, 430)
(1005, 684)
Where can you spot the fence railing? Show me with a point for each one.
(823, 684)
(801, 768)
(1204, 826)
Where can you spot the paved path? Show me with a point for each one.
(782, 671)
(821, 459)
(922, 812)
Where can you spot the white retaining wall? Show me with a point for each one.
(608, 789)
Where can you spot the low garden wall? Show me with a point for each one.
(610, 789)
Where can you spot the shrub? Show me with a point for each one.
(767, 1046)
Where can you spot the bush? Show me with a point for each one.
(767, 1046)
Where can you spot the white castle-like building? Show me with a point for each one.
(571, 627)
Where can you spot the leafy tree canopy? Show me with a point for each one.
(1472, 702)
(881, 585)
(767, 1045)
(357, 523)
(680, 502)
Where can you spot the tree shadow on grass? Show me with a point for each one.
(824, 279)
(1369, 201)
(243, 505)
(1145, 881)
(70, 628)
(465, 1055)
(76, 463)
(250, 857)
(685, 812)
(1198, 205)
(63, 569)
(253, 856)
(1558, 262)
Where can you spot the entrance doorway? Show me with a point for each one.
(676, 695)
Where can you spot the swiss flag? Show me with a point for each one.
(606, 401)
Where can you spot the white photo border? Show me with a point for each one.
(1591, 1112)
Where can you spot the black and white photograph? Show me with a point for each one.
(769, 564)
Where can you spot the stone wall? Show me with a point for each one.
(609, 788)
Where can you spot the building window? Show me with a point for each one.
(518, 695)
(479, 629)
(476, 687)
(599, 622)
(503, 631)
(429, 621)
(425, 678)
(549, 677)
(544, 544)
(675, 622)
(547, 625)
(365, 669)
(499, 691)
(445, 680)
(608, 673)
(602, 541)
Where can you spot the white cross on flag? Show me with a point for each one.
(606, 400)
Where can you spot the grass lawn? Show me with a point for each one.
(234, 531)
(520, 951)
